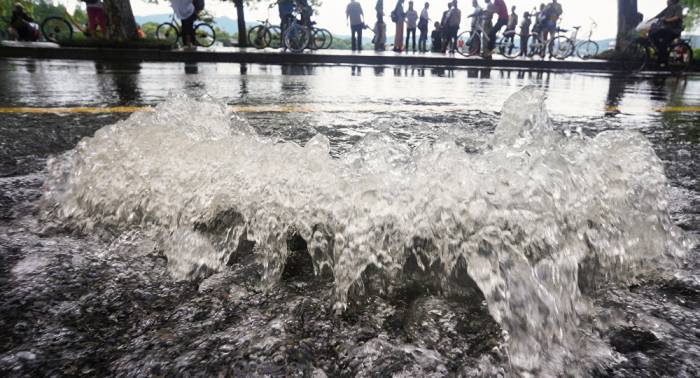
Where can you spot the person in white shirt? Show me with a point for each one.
(185, 11)
(411, 24)
(423, 27)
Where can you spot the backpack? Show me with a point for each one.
(394, 17)
(198, 5)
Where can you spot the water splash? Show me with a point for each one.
(528, 213)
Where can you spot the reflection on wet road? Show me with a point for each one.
(89, 296)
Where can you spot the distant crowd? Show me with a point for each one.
(445, 31)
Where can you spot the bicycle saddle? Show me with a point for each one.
(576, 27)
(562, 30)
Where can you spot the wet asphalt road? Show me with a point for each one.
(101, 304)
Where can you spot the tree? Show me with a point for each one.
(121, 24)
(627, 19)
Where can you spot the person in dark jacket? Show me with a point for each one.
(21, 23)
(668, 28)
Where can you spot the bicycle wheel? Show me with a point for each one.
(509, 47)
(259, 37)
(204, 35)
(469, 43)
(297, 38)
(561, 47)
(318, 39)
(535, 46)
(680, 56)
(635, 57)
(328, 40)
(275, 37)
(587, 50)
(56, 29)
(168, 32)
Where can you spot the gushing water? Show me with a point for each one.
(529, 213)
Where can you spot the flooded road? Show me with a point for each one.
(346, 221)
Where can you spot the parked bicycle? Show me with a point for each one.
(588, 48)
(299, 36)
(641, 52)
(471, 43)
(204, 34)
(266, 34)
(559, 46)
(56, 29)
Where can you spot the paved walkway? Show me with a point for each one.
(270, 56)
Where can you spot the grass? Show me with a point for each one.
(146, 43)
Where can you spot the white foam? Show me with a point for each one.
(524, 213)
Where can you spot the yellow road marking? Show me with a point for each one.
(293, 109)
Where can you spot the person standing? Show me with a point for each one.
(454, 19)
(668, 28)
(423, 27)
(512, 24)
(476, 15)
(502, 10)
(398, 16)
(443, 27)
(552, 12)
(524, 33)
(357, 23)
(286, 10)
(379, 8)
(411, 24)
(185, 11)
(96, 16)
(436, 38)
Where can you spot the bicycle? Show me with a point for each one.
(265, 34)
(585, 49)
(204, 34)
(470, 43)
(559, 47)
(640, 52)
(298, 36)
(56, 28)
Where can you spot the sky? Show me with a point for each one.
(332, 13)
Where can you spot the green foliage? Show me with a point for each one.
(693, 18)
(38, 10)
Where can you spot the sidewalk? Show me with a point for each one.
(270, 56)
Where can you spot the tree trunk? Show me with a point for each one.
(242, 32)
(120, 19)
(628, 17)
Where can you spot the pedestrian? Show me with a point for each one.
(436, 38)
(21, 25)
(96, 16)
(454, 19)
(524, 33)
(286, 12)
(357, 23)
(476, 15)
(443, 26)
(502, 11)
(552, 13)
(539, 19)
(379, 39)
(423, 27)
(487, 24)
(512, 24)
(186, 12)
(398, 16)
(668, 27)
(411, 25)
